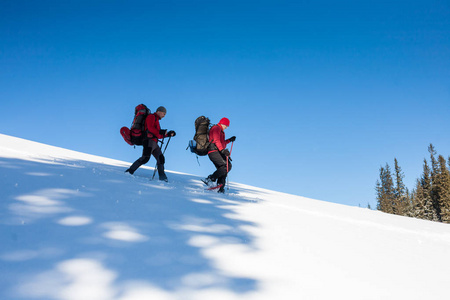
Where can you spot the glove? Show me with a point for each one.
(225, 152)
(232, 139)
(163, 132)
(171, 133)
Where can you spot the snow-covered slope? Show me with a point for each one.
(75, 226)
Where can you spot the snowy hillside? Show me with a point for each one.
(75, 226)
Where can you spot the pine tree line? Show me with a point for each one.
(429, 200)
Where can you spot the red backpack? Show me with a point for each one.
(135, 135)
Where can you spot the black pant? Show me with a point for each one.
(220, 162)
(150, 148)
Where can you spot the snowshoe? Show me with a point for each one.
(218, 187)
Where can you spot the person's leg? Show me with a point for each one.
(160, 160)
(220, 164)
(223, 178)
(141, 160)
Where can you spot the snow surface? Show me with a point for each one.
(75, 226)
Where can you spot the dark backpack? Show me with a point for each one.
(199, 145)
(136, 134)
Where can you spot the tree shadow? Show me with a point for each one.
(63, 221)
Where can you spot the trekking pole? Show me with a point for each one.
(231, 149)
(156, 166)
(167, 145)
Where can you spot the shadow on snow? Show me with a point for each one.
(64, 222)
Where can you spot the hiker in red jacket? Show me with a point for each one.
(218, 154)
(153, 133)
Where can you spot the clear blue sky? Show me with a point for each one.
(320, 94)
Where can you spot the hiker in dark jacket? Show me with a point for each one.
(150, 144)
(218, 154)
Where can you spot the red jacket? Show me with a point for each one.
(153, 128)
(217, 137)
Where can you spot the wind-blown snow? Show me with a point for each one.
(75, 226)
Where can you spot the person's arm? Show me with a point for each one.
(214, 137)
(150, 122)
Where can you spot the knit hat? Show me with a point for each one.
(225, 121)
(162, 109)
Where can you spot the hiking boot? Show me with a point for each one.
(129, 171)
(208, 180)
(163, 177)
(221, 189)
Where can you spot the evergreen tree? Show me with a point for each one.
(401, 204)
(442, 190)
(385, 191)
(434, 162)
(418, 202)
(429, 212)
(430, 199)
(434, 173)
